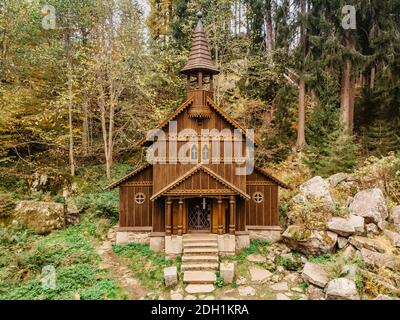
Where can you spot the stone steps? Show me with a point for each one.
(200, 259)
(199, 266)
(203, 244)
(199, 277)
(201, 251)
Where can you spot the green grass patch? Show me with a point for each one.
(256, 247)
(146, 265)
(292, 262)
(322, 259)
(69, 251)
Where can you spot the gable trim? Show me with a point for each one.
(190, 173)
(184, 106)
(128, 176)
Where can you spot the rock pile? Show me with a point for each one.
(363, 228)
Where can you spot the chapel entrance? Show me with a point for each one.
(199, 215)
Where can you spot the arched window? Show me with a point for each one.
(140, 198)
(194, 153)
(206, 153)
(258, 197)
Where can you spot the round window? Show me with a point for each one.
(258, 197)
(140, 198)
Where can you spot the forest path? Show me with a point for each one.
(118, 269)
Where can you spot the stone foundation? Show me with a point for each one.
(173, 246)
(157, 243)
(125, 237)
(226, 244)
(242, 241)
(270, 234)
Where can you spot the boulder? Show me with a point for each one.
(370, 204)
(309, 242)
(372, 228)
(315, 274)
(317, 188)
(341, 226)
(337, 178)
(280, 286)
(259, 275)
(349, 252)
(314, 292)
(358, 223)
(378, 260)
(393, 237)
(342, 289)
(281, 296)
(256, 258)
(247, 291)
(367, 243)
(299, 199)
(396, 215)
(342, 242)
(349, 271)
(40, 217)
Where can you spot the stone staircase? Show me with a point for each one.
(200, 262)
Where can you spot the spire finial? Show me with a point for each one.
(199, 15)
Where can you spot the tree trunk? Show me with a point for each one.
(302, 86)
(102, 104)
(346, 93)
(301, 125)
(67, 43)
(373, 73)
(85, 128)
(269, 40)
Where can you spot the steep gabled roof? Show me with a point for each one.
(128, 176)
(188, 103)
(270, 176)
(190, 173)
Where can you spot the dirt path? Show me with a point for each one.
(119, 270)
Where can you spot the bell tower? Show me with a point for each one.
(200, 72)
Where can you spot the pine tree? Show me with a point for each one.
(337, 154)
(381, 137)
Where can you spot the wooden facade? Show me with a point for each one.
(205, 194)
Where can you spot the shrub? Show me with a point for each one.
(312, 215)
(103, 204)
(7, 204)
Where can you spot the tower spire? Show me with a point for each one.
(200, 54)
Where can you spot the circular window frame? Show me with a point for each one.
(140, 198)
(258, 197)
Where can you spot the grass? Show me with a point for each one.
(256, 247)
(293, 263)
(242, 265)
(70, 252)
(322, 259)
(147, 266)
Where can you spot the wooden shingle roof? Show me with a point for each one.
(200, 54)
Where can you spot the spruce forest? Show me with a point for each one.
(82, 81)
